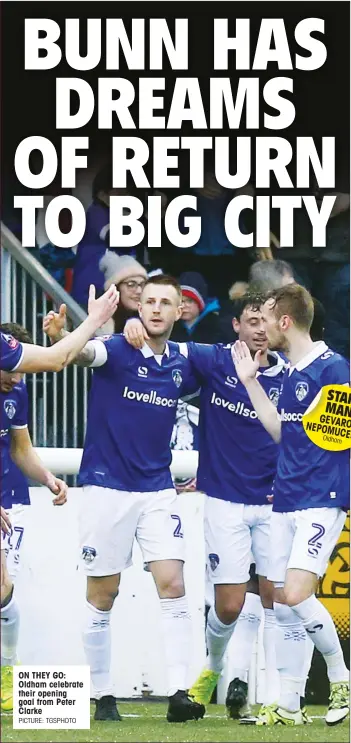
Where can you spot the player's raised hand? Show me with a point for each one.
(246, 367)
(5, 522)
(103, 308)
(54, 322)
(59, 489)
(135, 333)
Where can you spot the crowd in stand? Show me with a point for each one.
(213, 272)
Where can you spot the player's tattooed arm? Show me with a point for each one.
(86, 356)
(54, 327)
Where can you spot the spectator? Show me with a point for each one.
(265, 276)
(95, 241)
(214, 256)
(199, 321)
(93, 245)
(59, 262)
(129, 277)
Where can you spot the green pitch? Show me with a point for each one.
(146, 722)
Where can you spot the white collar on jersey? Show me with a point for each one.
(273, 371)
(148, 352)
(319, 347)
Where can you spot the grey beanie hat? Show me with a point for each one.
(118, 268)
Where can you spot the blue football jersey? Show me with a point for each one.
(13, 414)
(132, 410)
(237, 457)
(308, 476)
(11, 352)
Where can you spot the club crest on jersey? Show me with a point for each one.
(214, 560)
(273, 395)
(10, 408)
(231, 382)
(88, 553)
(301, 390)
(10, 340)
(177, 377)
(142, 371)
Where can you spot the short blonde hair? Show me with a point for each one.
(296, 302)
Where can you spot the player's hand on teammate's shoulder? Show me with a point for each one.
(135, 333)
(103, 308)
(60, 489)
(246, 367)
(54, 322)
(5, 521)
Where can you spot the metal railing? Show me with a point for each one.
(28, 291)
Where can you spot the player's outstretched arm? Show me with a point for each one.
(26, 458)
(246, 369)
(55, 358)
(54, 327)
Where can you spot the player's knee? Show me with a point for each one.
(228, 611)
(102, 598)
(299, 586)
(103, 602)
(171, 587)
(294, 595)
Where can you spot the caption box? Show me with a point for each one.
(51, 697)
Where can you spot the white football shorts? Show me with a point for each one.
(303, 540)
(110, 520)
(13, 543)
(236, 535)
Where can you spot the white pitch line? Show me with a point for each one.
(207, 717)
